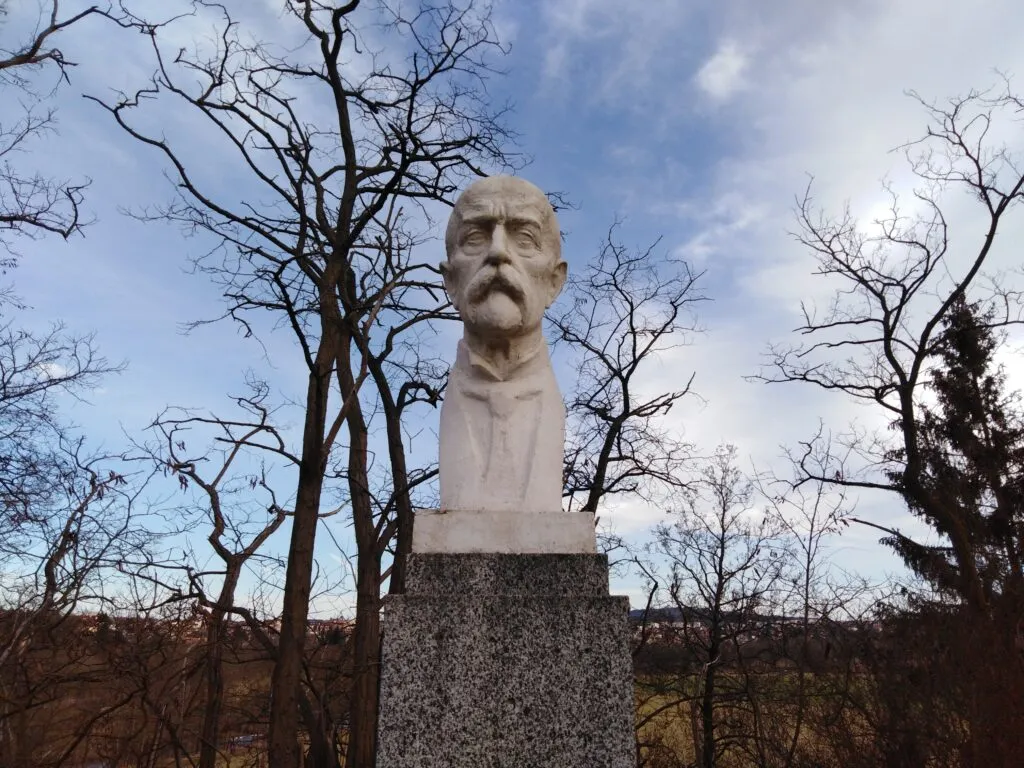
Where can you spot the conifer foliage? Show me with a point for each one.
(969, 482)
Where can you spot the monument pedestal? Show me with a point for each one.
(506, 661)
(444, 531)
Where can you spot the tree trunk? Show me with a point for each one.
(362, 737)
(707, 716)
(322, 752)
(400, 482)
(284, 749)
(366, 668)
(210, 734)
(707, 702)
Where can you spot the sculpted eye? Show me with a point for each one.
(473, 238)
(527, 239)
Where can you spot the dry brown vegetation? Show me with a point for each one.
(99, 690)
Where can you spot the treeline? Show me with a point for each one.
(127, 691)
(900, 690)
(346, 139)
(96, 690)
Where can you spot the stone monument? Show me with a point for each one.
(506, 650)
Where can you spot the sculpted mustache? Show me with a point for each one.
(482, 286)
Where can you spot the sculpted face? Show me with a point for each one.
(504, 263)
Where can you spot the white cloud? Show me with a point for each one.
(722, 76)
(828, 100)
(630, 517)
(569, 22)
(823, 93)
(52, 371)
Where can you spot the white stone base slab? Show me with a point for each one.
(460, 531)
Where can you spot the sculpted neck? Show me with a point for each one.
(504, 354)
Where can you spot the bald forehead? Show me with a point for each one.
(503, 192)
(506, 199)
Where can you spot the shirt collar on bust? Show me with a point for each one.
(478, 365)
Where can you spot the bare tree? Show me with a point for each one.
(331, 152)
(238, 527)
(897, 283)
(727, 564)
(615, 322)
(809, 627)
(51, 490)
(619, 316)
(68, 519)
(31, 203)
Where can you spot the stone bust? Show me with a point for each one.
(503, 420)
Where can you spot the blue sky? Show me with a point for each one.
(697, 122)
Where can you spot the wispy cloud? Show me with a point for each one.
(722, 76)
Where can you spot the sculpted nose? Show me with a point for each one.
(498, 254)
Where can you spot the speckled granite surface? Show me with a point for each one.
(527, 575)
(506, 661)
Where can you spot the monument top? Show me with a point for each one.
(502, 421)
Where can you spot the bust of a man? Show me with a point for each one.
(502, 421)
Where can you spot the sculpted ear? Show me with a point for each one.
(558, 274)
(446, 276)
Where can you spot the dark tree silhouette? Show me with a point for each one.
(338, 141)
(619, 315)
(32, 204)
(910, 332)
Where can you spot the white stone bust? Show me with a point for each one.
(503, 421)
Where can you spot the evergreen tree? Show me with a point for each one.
(959, 661)
(968, 484)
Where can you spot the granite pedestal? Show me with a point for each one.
(506, 661)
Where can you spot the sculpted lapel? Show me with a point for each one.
(499, 438)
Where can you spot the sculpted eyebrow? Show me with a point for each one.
(479, 217)
(521, 222)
